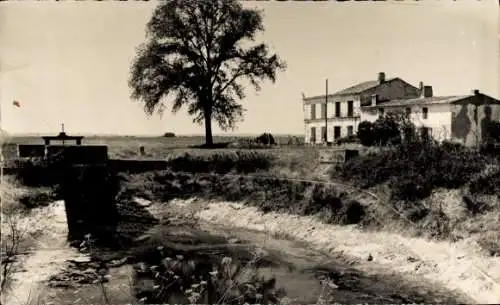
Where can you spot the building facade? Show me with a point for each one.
(462, 119)
(327, 119)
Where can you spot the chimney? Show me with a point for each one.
(421, 86)
(426, 91)
(475, 92)
(374, 100)
(381, 77)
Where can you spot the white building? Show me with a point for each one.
(461, 118)
(344, 107)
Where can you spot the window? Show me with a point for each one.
(336, 132)
(323, 111)
(381, 111)
(350, 108)
(425, 112)
(337, 109)
(313, 134)
(408, 111)
(313, 111)
(350, 131)
(323, 133)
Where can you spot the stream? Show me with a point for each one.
(63, 275)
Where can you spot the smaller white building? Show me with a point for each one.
(462, 118)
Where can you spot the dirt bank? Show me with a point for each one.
(47, 257)
(458, 266)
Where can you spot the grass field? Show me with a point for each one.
(155, 147)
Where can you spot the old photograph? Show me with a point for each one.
(250, 152)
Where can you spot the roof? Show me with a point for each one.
(422, 101)
(356, 89)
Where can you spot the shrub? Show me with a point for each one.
(239, 161)
(267, 194)
(365, 133)
(494, 131)
(387, 129)
(486, 184)
(38, 198)
(347, 139)
(34, 172)
(266, 139)
(452, 146)
(169, 135)
(189, 279)
(392, 128)
(414, 169)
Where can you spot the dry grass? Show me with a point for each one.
(20, 224)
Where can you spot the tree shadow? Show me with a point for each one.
(461, 124)
(486, 123)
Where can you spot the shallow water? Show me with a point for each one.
(297, 269)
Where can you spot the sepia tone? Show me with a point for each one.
(250, 152)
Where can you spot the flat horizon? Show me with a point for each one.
(148, 135)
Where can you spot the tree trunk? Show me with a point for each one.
(208, 129)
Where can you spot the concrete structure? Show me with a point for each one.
(344, 107)
(462, 119)
(78, 154)
(31, 150)
(62, 137)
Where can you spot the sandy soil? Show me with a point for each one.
(458, 266)
(47, 257)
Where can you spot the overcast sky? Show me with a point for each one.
(73, 59)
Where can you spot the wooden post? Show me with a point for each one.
(326, 114)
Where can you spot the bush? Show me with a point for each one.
(452, 146)
(38, 198)
(365, 133)
(486, 184)
(266, 139)
(347, 139)
(413, 170)
(391, 128)
(35, 172)
(267, 194)
(387, 130)
(169, 135)
(494, 131)
(199, 278)
(239, 161)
